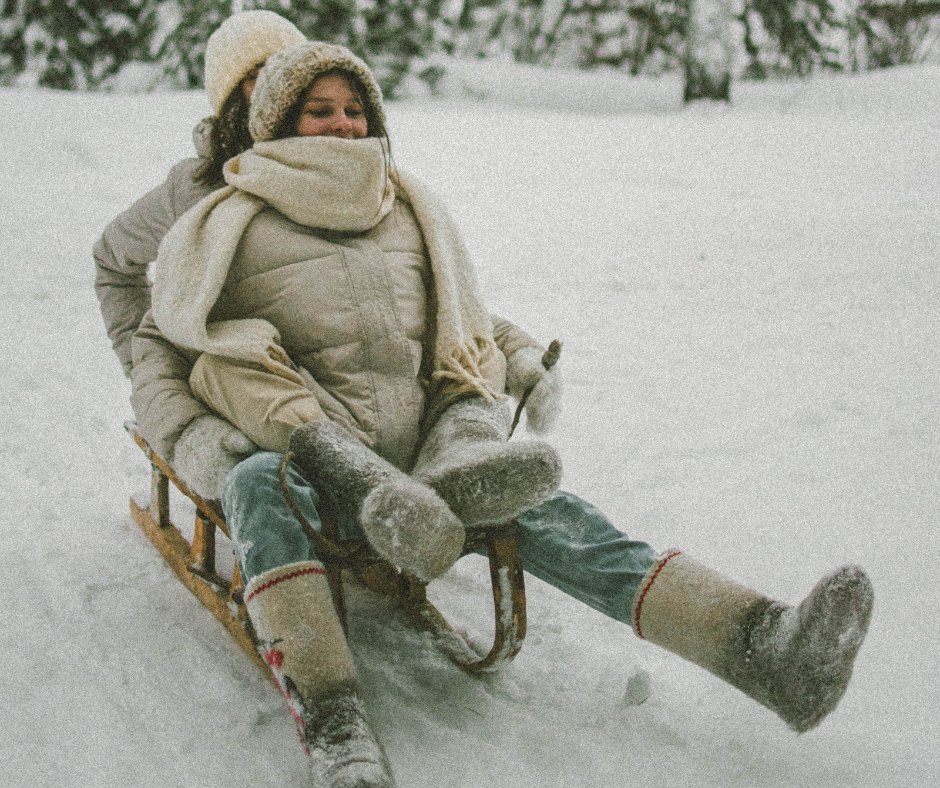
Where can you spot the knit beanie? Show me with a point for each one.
(239, 44)
(289, 73)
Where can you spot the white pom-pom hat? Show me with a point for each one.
(288, 73)
(239, 44)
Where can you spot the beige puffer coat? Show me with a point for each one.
(362, 343)
(352, 313)
(164, 405)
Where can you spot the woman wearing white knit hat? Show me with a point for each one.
(324, 302)
(234, 53)
(241, 44)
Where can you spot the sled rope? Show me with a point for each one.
(549, 359)
(325, 549)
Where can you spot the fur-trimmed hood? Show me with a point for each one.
(287, 74)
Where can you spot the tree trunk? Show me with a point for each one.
(710, 50)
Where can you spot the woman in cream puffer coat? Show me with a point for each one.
(128, 246)
(321, 285)
(400, 359)
(320, 289)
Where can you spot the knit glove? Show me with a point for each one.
(206, 451)
(524, 370)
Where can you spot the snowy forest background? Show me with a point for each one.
(147, 44)
(748, 295)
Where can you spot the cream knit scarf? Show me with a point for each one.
(324, 183)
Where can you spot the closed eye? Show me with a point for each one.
(325, 110)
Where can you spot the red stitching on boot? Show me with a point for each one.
(274, 657)
(639, 603)
(312, 570)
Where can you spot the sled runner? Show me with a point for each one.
(195, 564)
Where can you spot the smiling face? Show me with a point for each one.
(332, 108)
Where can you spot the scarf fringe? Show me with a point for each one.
(463, 367)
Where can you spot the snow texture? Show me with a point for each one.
(749, 301)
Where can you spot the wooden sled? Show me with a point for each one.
(195, 564)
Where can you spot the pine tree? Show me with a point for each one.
(789, 37)
(73, 44)
(183, 53)
(645, 37)
(896, 33)
(395, 33)
(388, 34)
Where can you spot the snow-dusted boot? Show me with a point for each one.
(468, 459)
(796, 661)
(405, 521)
(302, 640)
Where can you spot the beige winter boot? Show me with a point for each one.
(796, 661)
(468, 460)
(302, 640)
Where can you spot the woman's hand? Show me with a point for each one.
(206, 451)
(524, 371)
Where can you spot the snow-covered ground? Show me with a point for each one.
(749, 301)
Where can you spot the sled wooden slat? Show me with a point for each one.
(210, 509)
(175, 549)
(195, 564)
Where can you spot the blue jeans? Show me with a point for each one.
(564, 541)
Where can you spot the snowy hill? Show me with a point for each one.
(749, 301)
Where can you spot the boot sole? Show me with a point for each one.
(409, 525)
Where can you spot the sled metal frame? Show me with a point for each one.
(195, 564)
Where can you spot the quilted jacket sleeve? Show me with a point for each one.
(161, 398)
(129, 245)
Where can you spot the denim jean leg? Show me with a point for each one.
(264, 530)
(571, 545)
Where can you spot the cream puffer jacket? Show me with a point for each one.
(352, 311)
(164, 405)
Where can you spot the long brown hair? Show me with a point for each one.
(229, 137)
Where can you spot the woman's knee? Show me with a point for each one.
(255, 483)
(260, 468)
(257, 472)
